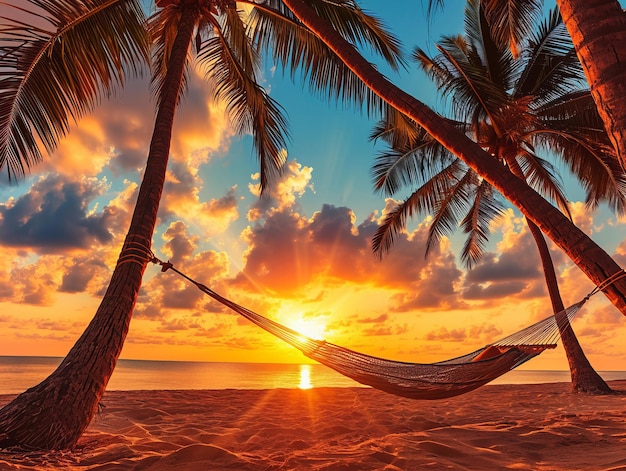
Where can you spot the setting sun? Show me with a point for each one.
(309, 325)
(311, 328)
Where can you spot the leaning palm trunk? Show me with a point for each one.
(598, 28)
(54, 414)
(584, 252)
(584, 378)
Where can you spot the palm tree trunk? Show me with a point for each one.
(54, 414)
(586, 254)
(598, 31)
(584, 378)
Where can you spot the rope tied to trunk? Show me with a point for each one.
(136, 252)
(606, 283)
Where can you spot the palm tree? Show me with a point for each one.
(597, 29)
(584, 252)
(107, 39)
(228, 42)
(512, 107)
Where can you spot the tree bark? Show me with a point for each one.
(584, 378)
(584, 252)
(598, 31)
(54, 414)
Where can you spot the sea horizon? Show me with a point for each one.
(18, 373)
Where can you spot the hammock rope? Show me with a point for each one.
(418, 380)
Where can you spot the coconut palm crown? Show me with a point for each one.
(524, 111)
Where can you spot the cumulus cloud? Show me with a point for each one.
(289, 253)
(166, 292)
(55, 215)
(182, 200)
(513, 270)
(292, 183)
(477, 333)
(201, 128)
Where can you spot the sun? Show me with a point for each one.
(311, 328)
(307, 325)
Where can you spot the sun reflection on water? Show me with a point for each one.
(305, 377)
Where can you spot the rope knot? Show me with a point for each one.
(165, 266)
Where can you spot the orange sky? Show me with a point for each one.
(301, 257)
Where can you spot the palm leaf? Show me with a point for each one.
(424, 200)
(543, 177)
(413, 156)
(230, 62)
(58, 66)
(485, 209)
(449, 207)
(303, 54)
(512, 20)
(551, 66)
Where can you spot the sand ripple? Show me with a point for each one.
(530, 427)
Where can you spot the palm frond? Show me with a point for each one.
(56, 67)
(574, 111)
(460, 76)
(230, 70)
(361, 28)
(485, 51)
(303, 54)
(388, 231)
(425, 200)
(451, 204)
(486, 208)
(573, 130)
(396, 129)
(413, 156)
(163, 27)
(543, 177)
(593, 163)
(551, 67)
(512, 20)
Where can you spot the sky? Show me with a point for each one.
(301, 256)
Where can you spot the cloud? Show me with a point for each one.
(78, 275)
(385, 330)
(289, 253)
(477, 334)
(34, 284)
(201, 127)
(55, 215)
(283, 193)
(583, 218)
(181, 201)
(513, 270)
(165, 293)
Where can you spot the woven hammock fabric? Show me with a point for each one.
(417, 380)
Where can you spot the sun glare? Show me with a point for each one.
(305, 377)
(312, 328)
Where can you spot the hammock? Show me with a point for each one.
(415, 380)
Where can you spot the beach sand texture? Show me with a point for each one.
(519, 427)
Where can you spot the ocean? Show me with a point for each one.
(18, 373)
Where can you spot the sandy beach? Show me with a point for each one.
(520, 427)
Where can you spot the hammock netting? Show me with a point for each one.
(416, 380)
